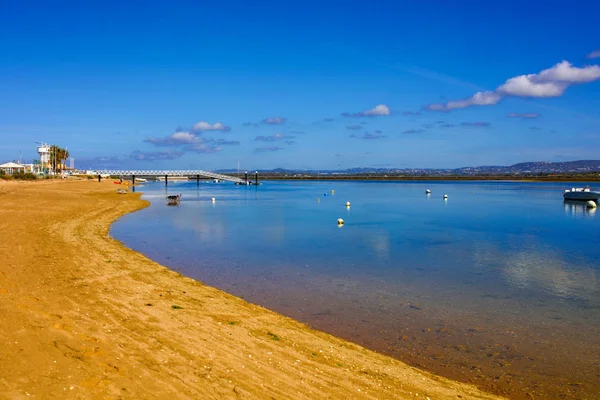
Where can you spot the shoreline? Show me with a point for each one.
(417, 179)
(84, 316)
(382, 178)
(487, 344)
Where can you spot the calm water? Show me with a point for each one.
(499, 285)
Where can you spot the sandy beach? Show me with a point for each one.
(82, 316)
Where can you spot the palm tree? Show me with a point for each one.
(58, 156)
(66, 156)
(59, 159)
(54, 152)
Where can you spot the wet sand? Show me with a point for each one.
(82, 316)
(542, 357)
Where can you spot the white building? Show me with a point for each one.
(44, 152)
(11, 167)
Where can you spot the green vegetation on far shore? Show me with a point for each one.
(587, 177)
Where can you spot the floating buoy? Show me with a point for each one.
(347, 204)
(445, 196)
(427, 191)
(213, 200)
(332, 191)
(340, 222)
(591, 204)
(324, 194)
(318, 200)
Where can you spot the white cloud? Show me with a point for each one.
(184, 137)
(594, 54)
(525, 86)
(551, 82)
(205, 126)
(188, 141)
(566, 72)
(380, 110)
(478, 99)
(176, 139)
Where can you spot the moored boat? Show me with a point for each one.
(582, 194)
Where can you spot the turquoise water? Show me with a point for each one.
(500, 264)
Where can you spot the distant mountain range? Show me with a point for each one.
(526, 168)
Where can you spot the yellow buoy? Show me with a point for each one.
(213, 200)
(591, 204)
(332, 191)
(445, 196)
(347, 204)
(340, 222)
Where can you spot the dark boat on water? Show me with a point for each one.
(582, 194)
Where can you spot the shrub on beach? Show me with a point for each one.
(24, 176)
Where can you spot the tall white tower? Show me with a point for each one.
(44, 152)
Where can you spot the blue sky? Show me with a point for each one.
(306, 85)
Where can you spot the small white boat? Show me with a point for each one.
(582, 194)
(141, 180)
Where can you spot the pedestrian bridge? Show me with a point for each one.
(193, 173)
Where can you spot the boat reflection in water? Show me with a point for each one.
(578, 208)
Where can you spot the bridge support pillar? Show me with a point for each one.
(132, 179)
(197, 180)
(166, 180)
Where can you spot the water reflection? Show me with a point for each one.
(531, 266)
(215, 231)
(578, 209)
(508, 237)
(506, 255)
(553, 273)
(275, 232)
(379, 243)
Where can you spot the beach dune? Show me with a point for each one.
(82, 316)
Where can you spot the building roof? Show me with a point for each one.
(11, 165)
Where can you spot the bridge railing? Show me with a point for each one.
(189, 173)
